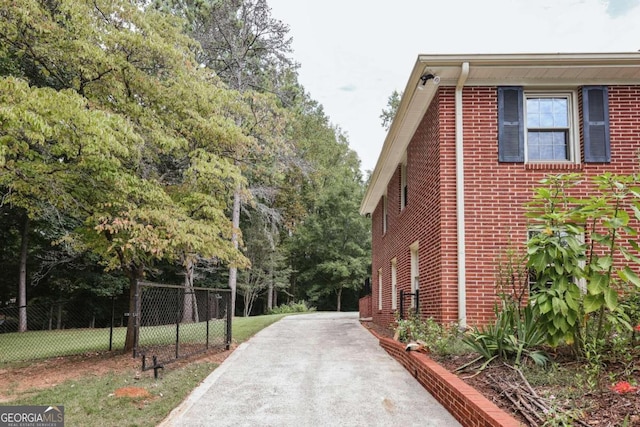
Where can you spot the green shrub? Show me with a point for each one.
(441, 340)
(515, 333)
(292, 307)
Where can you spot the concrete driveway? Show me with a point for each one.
(318, 369)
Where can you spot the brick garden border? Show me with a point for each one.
(464, 402)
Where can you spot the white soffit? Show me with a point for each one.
(543, 70)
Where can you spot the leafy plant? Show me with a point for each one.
(437, 338)
(582, 253)
(292, 307)
(515, 334)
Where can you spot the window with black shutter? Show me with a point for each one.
(595, 113)
(510, 122)
(536, 126)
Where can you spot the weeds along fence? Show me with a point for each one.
(176, 322)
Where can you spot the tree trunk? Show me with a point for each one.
(247, 309)
(270, 294)
(189, 304)
(131, 340)
(275, 298)
(233, 271)
(22, 280)
(339, 299)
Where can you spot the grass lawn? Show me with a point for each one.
(33, 345)
(89, 401)
(45, 344)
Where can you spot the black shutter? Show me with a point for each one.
(510, 125)
(595, 115)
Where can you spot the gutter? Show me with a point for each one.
(462, 265)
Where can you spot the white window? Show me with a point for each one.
(394, 284)
(550, 133)
(543, 126)
(415, 275)
(384, 214)
(380, 289)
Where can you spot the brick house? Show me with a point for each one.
(473, 135)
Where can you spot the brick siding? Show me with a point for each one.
(364, 306)
(495, 194)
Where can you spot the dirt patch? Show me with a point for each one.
(132, 392)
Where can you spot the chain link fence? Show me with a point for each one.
(62, 328)
(176, 322)
(172, 322)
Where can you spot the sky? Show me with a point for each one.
(354, 53)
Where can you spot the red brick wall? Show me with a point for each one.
(406, 226)
(465, 403)
(494, 197)
(495, 193)
(364, 305)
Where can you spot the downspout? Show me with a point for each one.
(462, 277)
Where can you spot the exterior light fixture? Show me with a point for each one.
(426, 77)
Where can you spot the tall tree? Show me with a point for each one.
(330, 251)
(269, 271)
(249, 50)
(137, 65)
(53, 152)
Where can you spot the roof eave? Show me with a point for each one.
(559, 69)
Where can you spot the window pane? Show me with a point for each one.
(546, 152)
(545, 145)
(559, 146)
(547, 112)
(533, 112)
(533, 144)
(546, 120)
(561, 112)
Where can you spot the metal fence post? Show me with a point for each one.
(136, 316)
(401, 303)
(229, 319)
(417, 301)
(178, 323)
(208, 295)
(113, 315)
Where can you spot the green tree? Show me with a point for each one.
(269, 271)
(389, 113)
(331, 248)
(49, 142)
(248, 49)
(135, 66)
